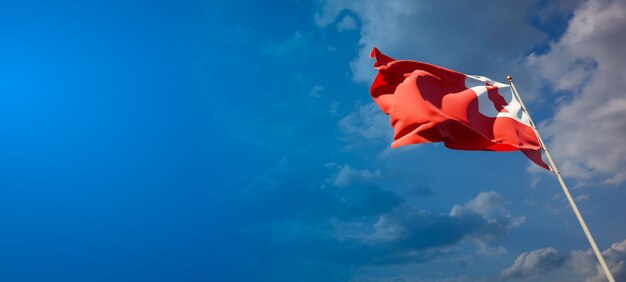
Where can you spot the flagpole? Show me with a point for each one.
(565, 189)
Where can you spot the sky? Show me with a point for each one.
(237, 141)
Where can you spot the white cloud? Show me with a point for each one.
(587, 133)
(408, 231)
(534, 263)
(490, 205)
(316, 90)
(346, 175)
(478, 36)
(371, 124)
(486, 203)
(485, 249)
(585, 262)
(367, 122)
(347, 23)
(583, 265)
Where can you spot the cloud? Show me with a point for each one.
(347, 23)
(585, 262)
(354, 221)
(316, 90)
(435, 31)
(485, 203)
(587, 61)
(556, 12)
(367, 122)
(587, 131)
(491, 207)
(580, 264)
(347, 175)
(339, 218)
(406, 278)
(534, 263)
(298, 190)
(407, 233)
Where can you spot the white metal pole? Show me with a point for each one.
(565, 189)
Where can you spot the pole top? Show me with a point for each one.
(509, 78)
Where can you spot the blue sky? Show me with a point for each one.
(210, 141)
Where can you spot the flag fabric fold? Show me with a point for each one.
(428, 103)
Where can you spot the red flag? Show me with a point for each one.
(427, 103)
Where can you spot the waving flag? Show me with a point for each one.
(428, 103)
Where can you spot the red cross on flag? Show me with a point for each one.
(428, 103)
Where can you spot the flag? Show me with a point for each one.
(428, 103)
